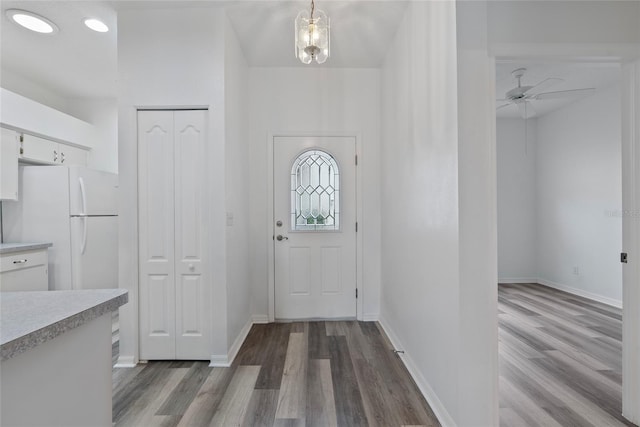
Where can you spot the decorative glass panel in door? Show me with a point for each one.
(315, 192)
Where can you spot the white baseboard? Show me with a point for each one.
(372, 317)
(224, 361)
(219, 361)
(517, 280)
(235, 347)
(581, 293)
(260, 319)
(434, 402)
(125, 362)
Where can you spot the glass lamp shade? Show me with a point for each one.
(312, 37)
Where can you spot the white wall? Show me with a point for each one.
(160, 64)
(439, 217)
(563, 22)
(478, 299)
(19, 84)
(422, 300)
(322, 101)
(237, 185)
(103, 115)
(579, 196)
(517, 228)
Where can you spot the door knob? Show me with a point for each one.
(281, 237)
(192, 267)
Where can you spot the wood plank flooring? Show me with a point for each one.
(560, 359)
(286, 374)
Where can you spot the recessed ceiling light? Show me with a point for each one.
(96, 25)
(31, 21)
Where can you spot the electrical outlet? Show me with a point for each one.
(576, 270)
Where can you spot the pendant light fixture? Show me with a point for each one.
(312, 36)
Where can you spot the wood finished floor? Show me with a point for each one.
(560, 359)
(286, 374)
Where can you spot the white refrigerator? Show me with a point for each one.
(74, 208)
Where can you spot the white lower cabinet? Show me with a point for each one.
(24, 271)
(175, 290)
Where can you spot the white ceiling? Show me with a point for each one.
(361, 30)
(575, 76)
(78, 62)
(74, 63)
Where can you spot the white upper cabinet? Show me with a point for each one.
(43, 151)
(8, 165)
(63, 140)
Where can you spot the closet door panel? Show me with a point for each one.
(156, 198)
(192, 297)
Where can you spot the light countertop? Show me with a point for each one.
(7, 248)
(32, 318)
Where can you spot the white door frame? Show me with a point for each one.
(631, 242)
(627, 55)
(271, 218)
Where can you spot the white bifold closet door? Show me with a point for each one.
(174, 293)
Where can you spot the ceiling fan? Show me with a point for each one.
(522, 96)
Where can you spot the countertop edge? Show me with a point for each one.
(10, 248)
(20, 345)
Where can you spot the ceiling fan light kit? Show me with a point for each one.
(312, 38)
(522, 96)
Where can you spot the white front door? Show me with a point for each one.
(314, 227)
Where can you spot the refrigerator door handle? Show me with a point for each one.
(83, 195)
(83, 245)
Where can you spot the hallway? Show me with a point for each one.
(286, 374)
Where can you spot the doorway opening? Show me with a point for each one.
(559, 230)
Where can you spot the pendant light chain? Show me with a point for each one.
(313, 8)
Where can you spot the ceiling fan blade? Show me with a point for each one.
(526, 110)
(573, 93)
(502, 106)
(543, 85)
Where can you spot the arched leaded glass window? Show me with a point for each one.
(315, 192)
